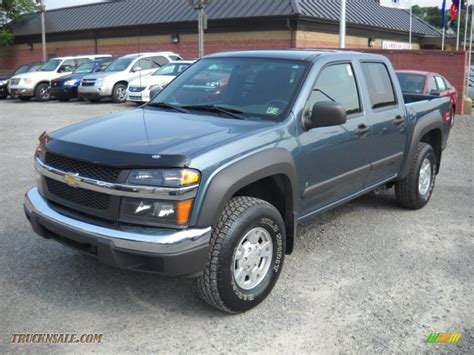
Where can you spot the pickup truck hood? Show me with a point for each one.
(143, 133)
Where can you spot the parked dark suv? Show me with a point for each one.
(65, 87)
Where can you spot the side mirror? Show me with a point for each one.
(435, 93)
(325, 114)
(136, 69)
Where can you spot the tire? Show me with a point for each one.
(243, 218)
(415, 190)
(24, 98)
(41, 92)
(119, 94)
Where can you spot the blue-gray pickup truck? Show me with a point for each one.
(211, 178)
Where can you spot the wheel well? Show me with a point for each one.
(121, 82)
(41, 82)
(277, 191)
(433, 138)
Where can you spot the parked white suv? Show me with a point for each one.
(113, 81)
(36, 84)
(139, 90)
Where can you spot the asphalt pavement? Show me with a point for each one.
(368, 277)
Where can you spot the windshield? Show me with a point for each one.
(85, 68)
(172, 69)
(120, 64)
(256, 88)
(22, 69)
(34, 67)
(412, 83)
(51, 65)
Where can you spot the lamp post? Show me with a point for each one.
(342, 25)
(40, 6)
(200, 6)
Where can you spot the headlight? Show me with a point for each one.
(155, 213)
(27, 81)
(164, 178)
(99, 81)
(72, 82)
(3, 82)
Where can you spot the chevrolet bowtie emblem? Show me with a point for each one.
(72, 180)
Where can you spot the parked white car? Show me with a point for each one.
(36, 84)
(139, 90)
(113, 81)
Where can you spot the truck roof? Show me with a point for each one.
(293, 54)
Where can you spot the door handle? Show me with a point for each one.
(398, 120)
(362, 129)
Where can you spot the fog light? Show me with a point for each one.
(156, 213)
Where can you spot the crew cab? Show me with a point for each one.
(113, 82)
(139, 90)
(211, 179)
(66, 87)
(36, 84)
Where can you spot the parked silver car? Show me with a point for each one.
(113, 81)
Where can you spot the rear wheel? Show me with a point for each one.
(246, 256)
(42, 92)
(119, 93)
(415, 190)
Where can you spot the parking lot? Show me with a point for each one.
(366, 277)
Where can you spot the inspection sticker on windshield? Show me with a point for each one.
(273, 111)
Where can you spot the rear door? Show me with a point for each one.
(334, 161)
(387, 118)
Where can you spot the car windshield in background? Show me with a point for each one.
(51, 65)
(120, 64)
(172, 69)
(251, 88)
(85, 68)
(22, 69)
(412, 83)
(34, 67)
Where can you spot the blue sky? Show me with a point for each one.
(52, 4)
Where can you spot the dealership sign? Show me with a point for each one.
(395, 45)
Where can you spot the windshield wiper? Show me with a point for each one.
(212, 108)
(168, 106)
(322, 92)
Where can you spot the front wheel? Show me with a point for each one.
(119, 93)
(42, 92)
(415, 190)
(246, 256)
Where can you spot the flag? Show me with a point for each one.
(443, 14)
(397, 4)
(453, 11)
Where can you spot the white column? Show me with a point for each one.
(342, 25)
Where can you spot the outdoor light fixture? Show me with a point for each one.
(371, 41)
(175, 38)
(30, 46)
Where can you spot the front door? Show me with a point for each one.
(334, 161)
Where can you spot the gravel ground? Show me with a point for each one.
(368, 277)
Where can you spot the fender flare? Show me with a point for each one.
(422, 126)
(224, 185)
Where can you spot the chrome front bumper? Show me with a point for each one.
(184, 252)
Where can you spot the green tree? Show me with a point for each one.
(10, 11)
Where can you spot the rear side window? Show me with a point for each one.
(432, 85)
(379, 85)
(337, 83)
(159, 61)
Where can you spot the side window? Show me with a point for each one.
(432, 85)
(379, 85)
(143, 64)
(175, 57)
(337, 83)
(81, 61)
(441, 84)
(67, 66)
(159, 61)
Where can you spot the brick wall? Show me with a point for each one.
(451, 65)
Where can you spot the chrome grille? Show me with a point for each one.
(14, 81)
